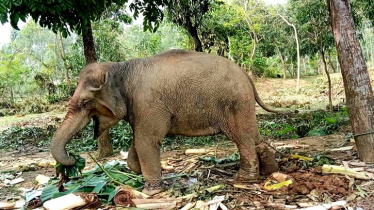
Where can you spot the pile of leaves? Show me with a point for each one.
(102, 180)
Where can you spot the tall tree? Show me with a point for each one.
(297, 50)
(187, 14)
(358, 89)
(315, 31)
(220, 25)
(63, 16)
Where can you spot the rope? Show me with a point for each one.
(363, 134)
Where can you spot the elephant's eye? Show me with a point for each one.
(86, 103)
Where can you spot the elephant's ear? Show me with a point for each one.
(95, 89)
(100, 96)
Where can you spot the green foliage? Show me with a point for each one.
(258, 66)
(321, 160)
(63, 16)
(17, 137)
(142, 44)
(96, 181)
(317, 123)
(220, 24)
(152, 12)
(318, 160)
(313, 23)
(74, 170)
(232, 158)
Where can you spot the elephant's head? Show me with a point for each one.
(93, 98)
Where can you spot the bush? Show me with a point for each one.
(258, 66)
(16, 137)
(316, 123)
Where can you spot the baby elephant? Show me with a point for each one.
(175, 92)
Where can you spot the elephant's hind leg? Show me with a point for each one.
(241, 128)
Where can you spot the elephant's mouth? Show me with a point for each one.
(96, 126)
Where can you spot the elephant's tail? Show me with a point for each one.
(258, 99)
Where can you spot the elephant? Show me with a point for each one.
(176, 92)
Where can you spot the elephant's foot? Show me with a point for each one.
(104, 152)
(152, 187)
(268, 164)
(247, 175)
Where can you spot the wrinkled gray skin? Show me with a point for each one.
(175, 92)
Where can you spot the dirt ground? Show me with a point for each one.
(309, 187)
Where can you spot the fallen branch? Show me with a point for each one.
(110, 177)
(7, 205)
(188, 206)
(342, 148)
(277, 186)
(159, 200)
(65, 202)
(301, 157)
(157, 205)
(332, 169)
(195, 151)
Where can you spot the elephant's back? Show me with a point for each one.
(186, 69)
(191, 80)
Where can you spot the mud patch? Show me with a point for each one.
(305, 182)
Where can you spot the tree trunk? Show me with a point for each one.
(304, 66)
(328, 77)
(89, 45)
(252, 28)
(193, 32)
(358, 90)
(63, 57)
(254, 46)
(198, 45)
(292, 71)
(297, 50)
(283, 64)
(11, 93)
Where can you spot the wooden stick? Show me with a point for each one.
(111, 178)
(64, 202)
(188, 206)
(7, 205)
(195, 151)
(157, 205)
(161, 200)
(223, 207)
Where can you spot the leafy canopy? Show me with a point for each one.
(58, 15)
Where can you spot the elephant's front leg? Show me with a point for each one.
(147, 141)
(104, 145)
(133, 160)
(148, 149)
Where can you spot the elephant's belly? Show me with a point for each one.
(193, 128)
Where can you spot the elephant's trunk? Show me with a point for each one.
(72, 123)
